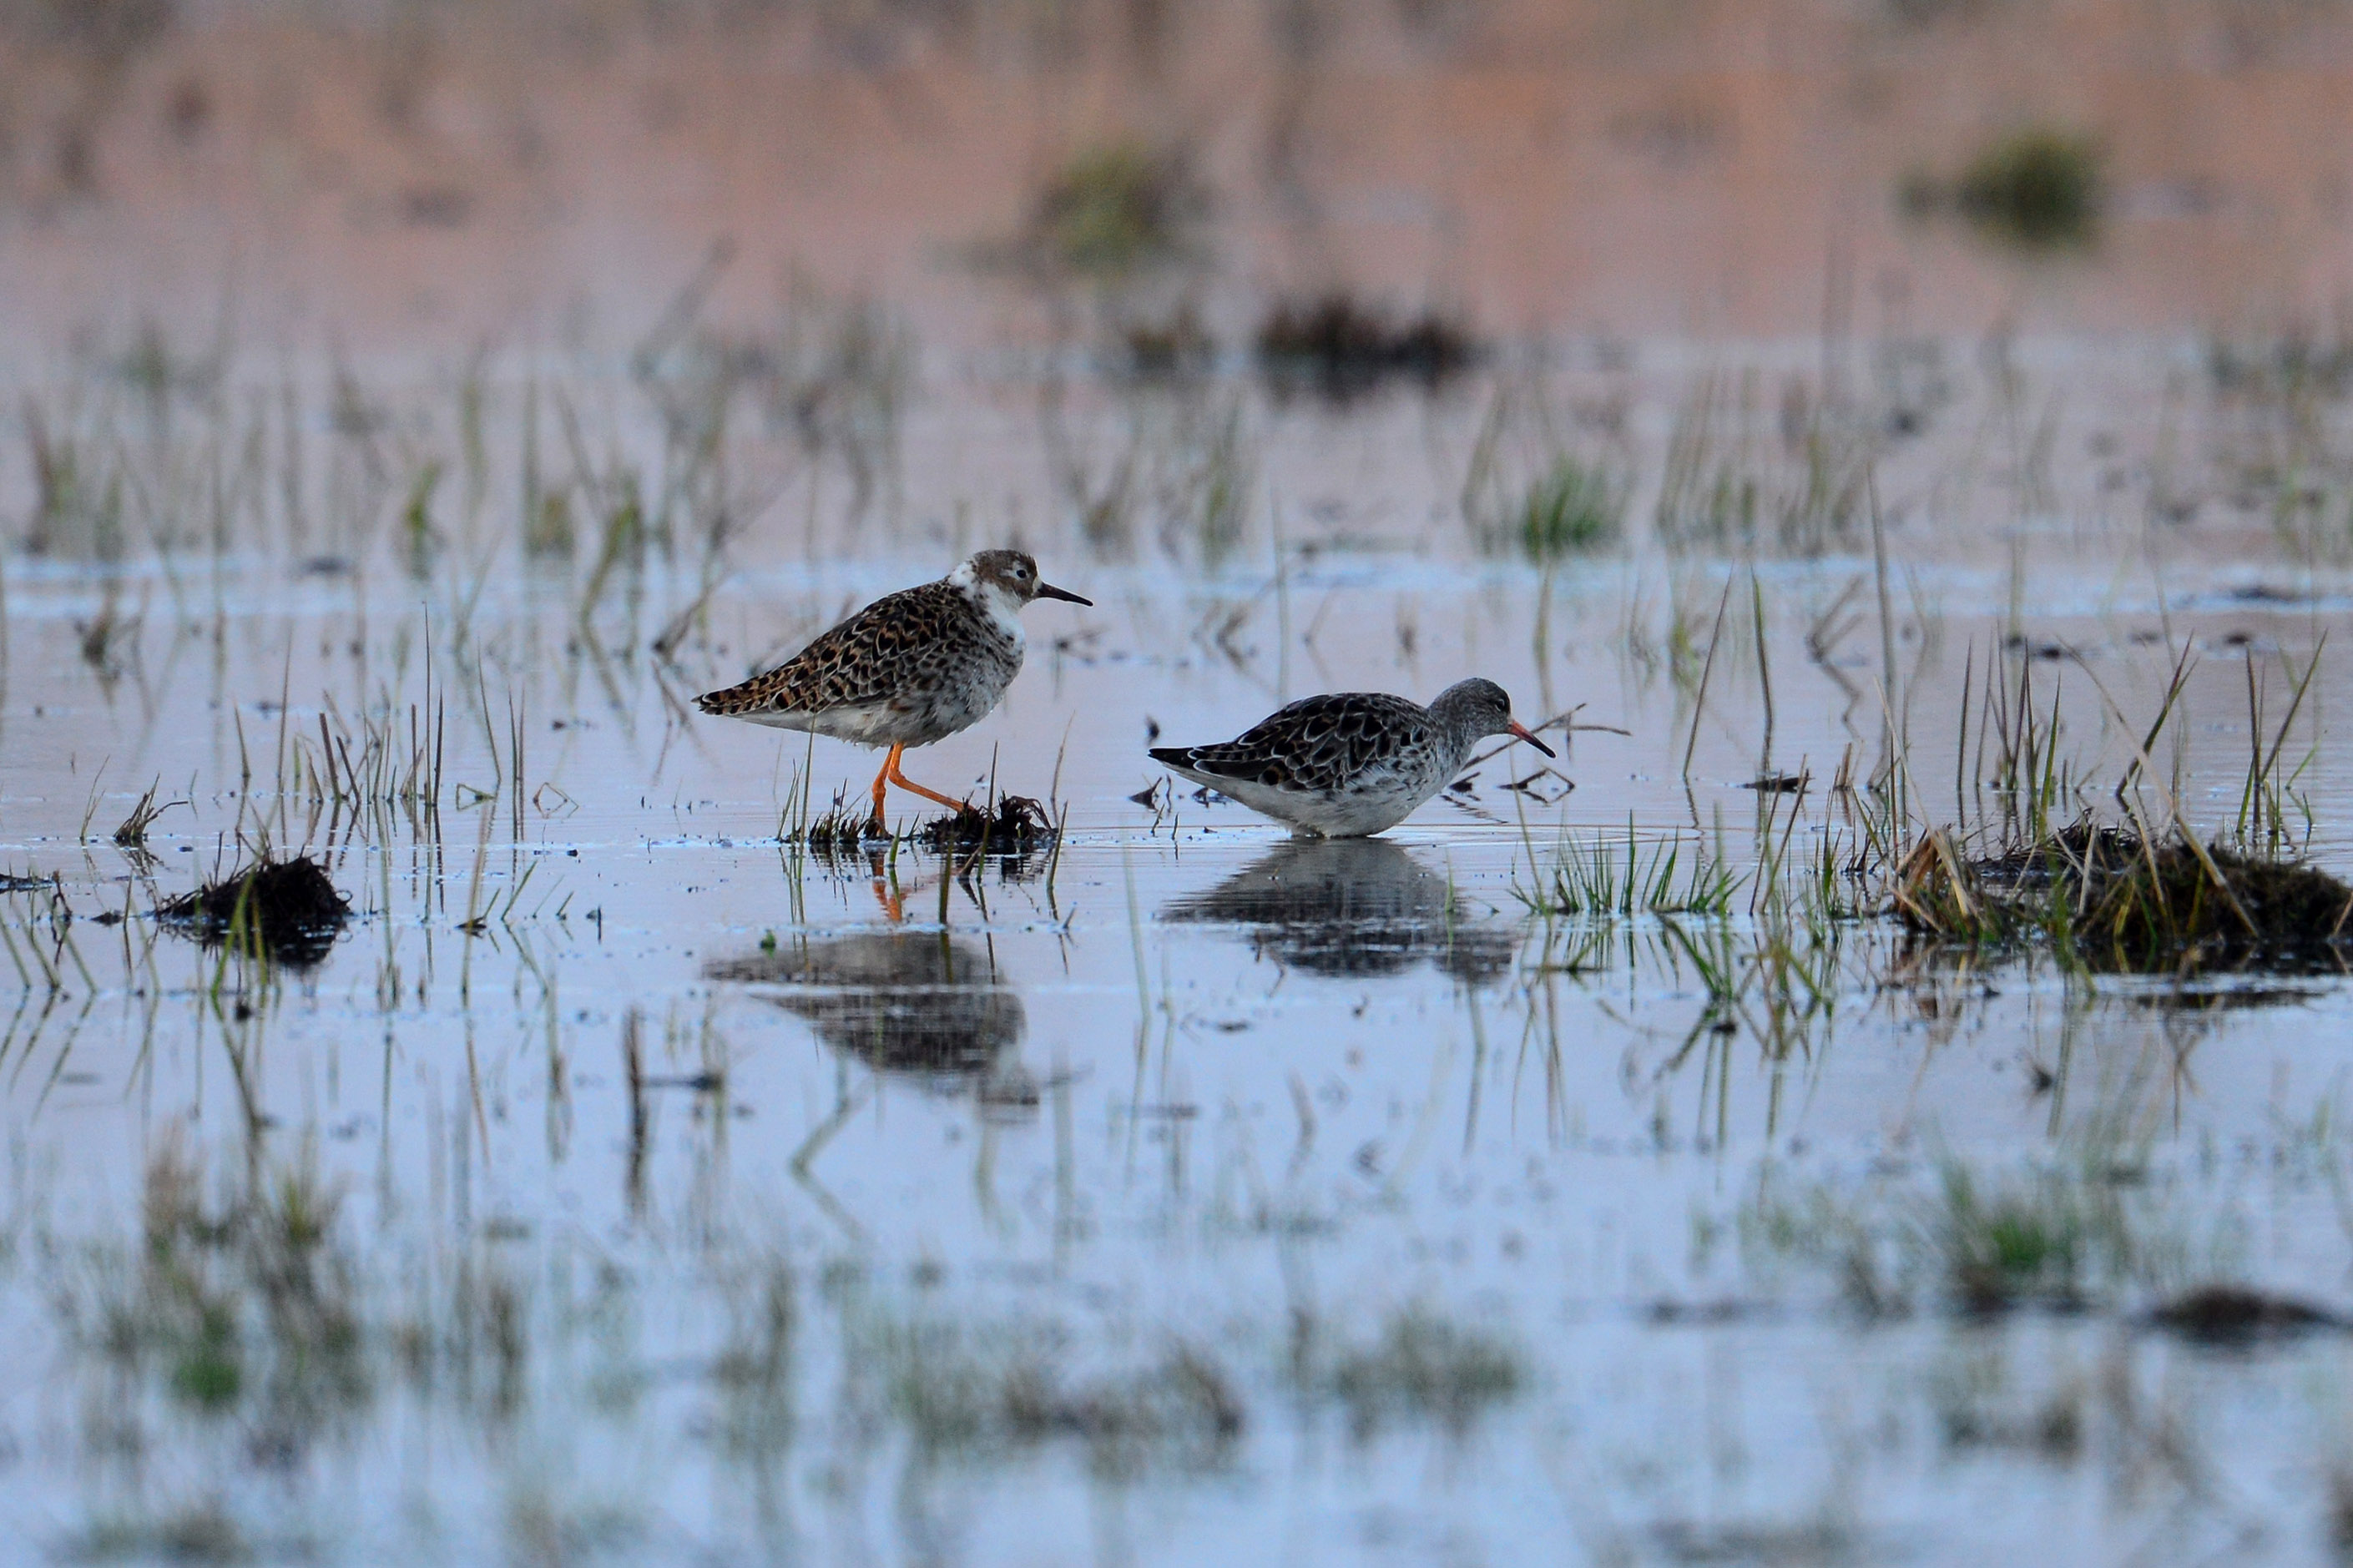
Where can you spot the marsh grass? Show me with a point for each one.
(1791, 482)
(1674, 875)
(2063, 1236)
(1423, 1368)
(983, 1394)
(131, 832)
(838, 830)
(2118, 902)
(1173, 347)
(1016, 825)
(2144, 895)
(2039, 188)
(1181, 459)
(1111, 212)
(1572, 507)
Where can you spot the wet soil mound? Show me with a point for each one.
(2123, 904)
(289, 908)
(1019, 826)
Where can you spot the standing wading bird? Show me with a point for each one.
(1354, 763)
(912, 668)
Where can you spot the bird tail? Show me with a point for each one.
(1174, 756)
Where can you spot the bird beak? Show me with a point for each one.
(1047, 591)
(1522, 733)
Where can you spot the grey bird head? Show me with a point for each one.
(1474, 708)
(1010, 574)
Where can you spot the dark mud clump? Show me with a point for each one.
(2236, 1315)
(2122, 904)
(288, 907)
(1019, 827)
(1340, 350)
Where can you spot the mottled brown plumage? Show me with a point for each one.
(912, 668)
(1350, 763)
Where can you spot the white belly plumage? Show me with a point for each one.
(1370, 805)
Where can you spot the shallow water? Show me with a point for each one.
(413, 411)
(1469, 1212)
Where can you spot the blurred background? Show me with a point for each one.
(415, 175)
(915, 259)
(1801, 405)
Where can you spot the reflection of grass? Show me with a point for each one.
(202, 1532)
(2027, 1241)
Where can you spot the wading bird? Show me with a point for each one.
(912, 668)
(1353, 762)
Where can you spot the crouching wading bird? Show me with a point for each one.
(912, 668)
(1353, 762)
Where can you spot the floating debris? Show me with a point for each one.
(289, 908)
(1779, 784)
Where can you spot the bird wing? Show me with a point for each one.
(891, 644)
(1320, 742)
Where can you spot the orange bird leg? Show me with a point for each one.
(880, 780)
(891, 771)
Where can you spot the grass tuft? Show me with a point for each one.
(1425, 1368)
(1675, 875)
(2122, 904)
(2036, 189)
(1114, 211)
(1573, 507)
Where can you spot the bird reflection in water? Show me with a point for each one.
(1350, 907)
(918, 1006)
